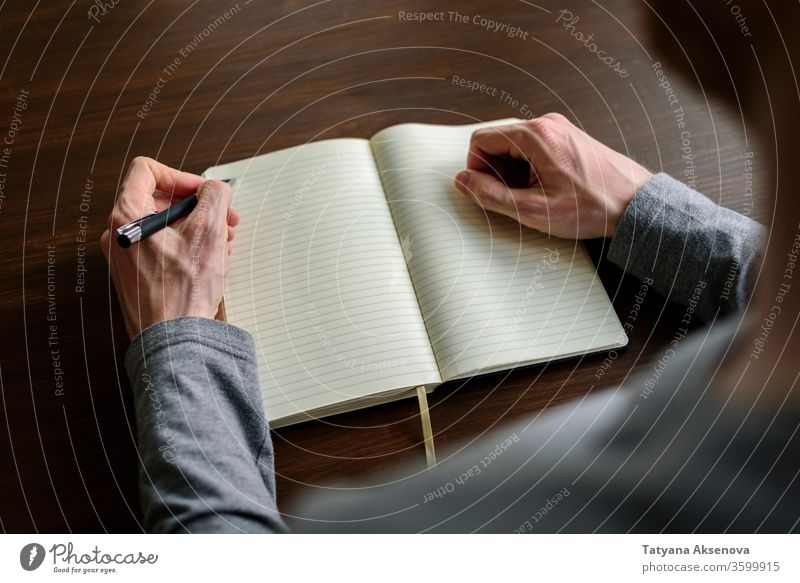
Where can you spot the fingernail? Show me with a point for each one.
(463, 178)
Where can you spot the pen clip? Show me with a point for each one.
(131, 232)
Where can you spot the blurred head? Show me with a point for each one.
(727, 47)
(744, 51)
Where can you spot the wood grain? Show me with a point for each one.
(272, 75)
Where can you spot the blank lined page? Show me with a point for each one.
(494, 294)
(318, 277)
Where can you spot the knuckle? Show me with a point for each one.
(539, 125)
(213, 190)
(116, 219)
(522, 141)
(224, 188)
(174, 255)
(209, 190)
(141, 161)
(480, 192)
(529, 206)
(506, 199)
(557, 118)
(489, 193)
(477, 135)
(215, 229)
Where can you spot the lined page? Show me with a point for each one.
(494, 294)
(318, 277)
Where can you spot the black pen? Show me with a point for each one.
(143, 227)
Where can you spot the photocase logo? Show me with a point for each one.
(31, 556)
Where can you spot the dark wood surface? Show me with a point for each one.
(273, 75)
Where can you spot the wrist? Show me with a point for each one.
(137, 320)
(643, 176)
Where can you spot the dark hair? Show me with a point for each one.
(724, 46)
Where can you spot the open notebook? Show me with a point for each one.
(363, 273)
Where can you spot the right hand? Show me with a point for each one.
(179, 271)
(567, 183)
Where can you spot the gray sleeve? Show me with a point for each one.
(204, 444)
(696, 252)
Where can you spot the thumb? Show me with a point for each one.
(209, 219)
(525, 205)
(487, 191)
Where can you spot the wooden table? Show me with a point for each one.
(235, 79)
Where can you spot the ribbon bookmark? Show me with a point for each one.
(427, 432)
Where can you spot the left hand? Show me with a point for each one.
(550, 175)
(179, 271)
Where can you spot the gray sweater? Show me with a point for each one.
(662, 452)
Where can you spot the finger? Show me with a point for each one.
(105, 239)
(166, 199)
(231, 233)
(210, 217)
(489, 146)
(150, 174)
(233, 217)
(143, 182)
(481, 161)
(526, 205)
